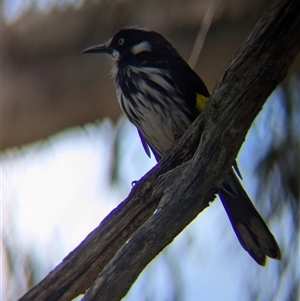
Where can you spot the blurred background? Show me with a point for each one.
(68, 157)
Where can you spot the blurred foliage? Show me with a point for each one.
(278, 172)
(281, 162)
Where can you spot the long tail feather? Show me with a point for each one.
(249, 227)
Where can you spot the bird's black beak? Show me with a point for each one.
(102, 48)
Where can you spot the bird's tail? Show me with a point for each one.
(249, 227)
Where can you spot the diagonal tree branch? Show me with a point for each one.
(181, 193)
(258, 67)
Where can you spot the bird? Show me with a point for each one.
(162, 95)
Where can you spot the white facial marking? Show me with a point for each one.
(114, 71)
(116, 55)
(143, 46)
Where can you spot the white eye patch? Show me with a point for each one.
(143, 46)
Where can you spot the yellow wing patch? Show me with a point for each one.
(200, 101)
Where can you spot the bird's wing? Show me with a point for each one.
(147, 147)
(188, 83)
(145, 144)
(190, 86)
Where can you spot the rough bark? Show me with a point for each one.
(188, 177)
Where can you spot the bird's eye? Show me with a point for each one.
(121, 41)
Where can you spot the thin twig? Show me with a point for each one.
(203, 32)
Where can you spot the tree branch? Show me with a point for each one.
(181, 193)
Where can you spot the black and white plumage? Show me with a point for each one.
(161, 95)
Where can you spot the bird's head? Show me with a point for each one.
(131, 41)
